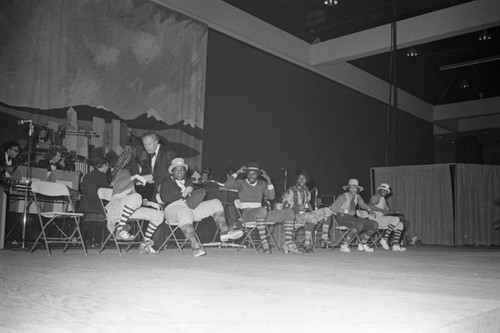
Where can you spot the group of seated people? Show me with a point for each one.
(174, 200)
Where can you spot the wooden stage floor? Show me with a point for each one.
(426, 289)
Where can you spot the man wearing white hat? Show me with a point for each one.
(345, 209)
(175, 190)
(387, 218)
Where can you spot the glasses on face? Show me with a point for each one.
(15, 149)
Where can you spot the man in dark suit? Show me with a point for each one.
(8, 160)
(160, 158)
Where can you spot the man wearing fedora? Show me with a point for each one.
(251, 192)
(345, 209)
(388, 218)
(175, 190)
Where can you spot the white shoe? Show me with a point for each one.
(383, 243)
(345, 248)
(231, 234)
(398, 248)
(365, 247)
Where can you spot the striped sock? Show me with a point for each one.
(289, 232)
(126, 213)
(149, 232)
(397, 236)
(324, 230)
(388, 231)
(262, 234)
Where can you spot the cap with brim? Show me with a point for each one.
(252, 166)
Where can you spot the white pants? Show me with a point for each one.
(178, 211)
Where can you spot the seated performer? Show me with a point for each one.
(52, 160)
(387, 218)
(174, 191)
(126, 203)
(298, 198)
(251, 192)
(94, 180)
(8, 160)
(344, 207)
(41, 140)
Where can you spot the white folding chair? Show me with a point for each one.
(53, 202)
(104, 195)
(249, 227)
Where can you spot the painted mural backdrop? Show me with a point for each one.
(136, 59)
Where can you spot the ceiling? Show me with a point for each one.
(422, 76)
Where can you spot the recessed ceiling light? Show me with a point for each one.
(464, 84)
(412, 52)
(331, 2)
(484, 36)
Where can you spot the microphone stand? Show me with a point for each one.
(285, 173)
(28, 181)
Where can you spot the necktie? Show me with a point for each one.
(352, 207)
(153, 161)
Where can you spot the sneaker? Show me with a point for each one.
(198, 250)
(398, 248)
(383, 243)
(123, 235)
(345, 248)
(231, 234)
(292, 248)
(147, 248)
(365, 247)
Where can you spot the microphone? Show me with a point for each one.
(20, 122)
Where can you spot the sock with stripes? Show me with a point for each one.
(149, 232)
(289, 232)
(126, 213)
(388, 231)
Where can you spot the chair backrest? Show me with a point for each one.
(104, 194)
(58, 194)
(49, 189)
(237, 203)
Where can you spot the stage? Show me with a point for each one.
(426, 289)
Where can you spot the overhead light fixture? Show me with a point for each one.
(484, 36)
(412, 52)
(331, 3)
(464, 84)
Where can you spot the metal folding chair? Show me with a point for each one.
(104, 195)
(343, 230)
(249, 227)
(53, 202)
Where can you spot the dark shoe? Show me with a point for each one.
(326, 244)
(308, 248)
